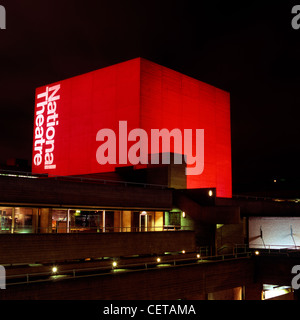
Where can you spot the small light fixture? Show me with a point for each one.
(183, 251)
(210, 193)
(256, 252)
(183, 214)
(158, 259)
(275, 180)
(54, 269)
(198, 255)
(114, 264)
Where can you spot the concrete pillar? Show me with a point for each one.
(159, 221)
(45, 215)
(68, 220)
(126, 221)
(103, 220)
(117, 221)
(35, 220)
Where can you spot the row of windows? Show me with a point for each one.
(51, 220)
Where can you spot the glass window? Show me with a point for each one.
(59, 220)
(86, 221)
(23, 220)
(174, 220)
(6, 219)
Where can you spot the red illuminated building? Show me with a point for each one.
(70, 113)
(130, 197)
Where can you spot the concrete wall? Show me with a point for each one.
(30, 248)
(230, 235)
(206, 213)
(51, 192)
(184, 282)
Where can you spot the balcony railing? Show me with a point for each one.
(116, 265)
(80, 229)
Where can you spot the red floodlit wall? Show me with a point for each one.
(170, 100)
(69, 113)
(86, 104)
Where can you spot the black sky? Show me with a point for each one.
(247, 48)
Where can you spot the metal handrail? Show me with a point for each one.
(145, 266)
(81, 229)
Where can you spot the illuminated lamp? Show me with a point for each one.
(54, 269)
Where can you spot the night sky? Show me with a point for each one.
(248, 48)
